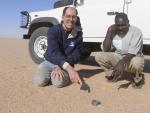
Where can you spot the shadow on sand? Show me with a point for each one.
(89, 73)
(90, 61)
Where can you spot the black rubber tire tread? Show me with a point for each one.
(41, 31)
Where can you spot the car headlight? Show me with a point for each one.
(25, 18)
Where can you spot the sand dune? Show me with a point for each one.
(19, 95)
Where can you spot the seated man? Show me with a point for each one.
(65, 49)
(126, 40)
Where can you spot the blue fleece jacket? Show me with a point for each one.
(62, 49)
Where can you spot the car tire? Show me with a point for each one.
(38, 44)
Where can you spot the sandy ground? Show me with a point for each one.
(19, 95)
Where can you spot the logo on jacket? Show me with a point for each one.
(71, 44)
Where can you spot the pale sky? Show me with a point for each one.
(10, 16)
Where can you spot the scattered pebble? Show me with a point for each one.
(85, 87)
(95, 102)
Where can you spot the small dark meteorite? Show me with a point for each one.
(85, 87)
(95, 102)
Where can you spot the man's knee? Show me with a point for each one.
(42, 77)
(137, 64)
(99, 56)
(59, 82)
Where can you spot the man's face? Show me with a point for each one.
(69, 19)
(122, 26)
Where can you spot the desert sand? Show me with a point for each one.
(19, 95)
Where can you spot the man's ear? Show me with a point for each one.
(62, 17)
(127, 21)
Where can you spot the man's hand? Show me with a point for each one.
(74, 76)
(120, 67)
(57, 72)
(118, 71)
(112, 31)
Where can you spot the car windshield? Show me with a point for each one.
(62, 3)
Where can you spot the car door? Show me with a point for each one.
(139, 15)
(96, 16)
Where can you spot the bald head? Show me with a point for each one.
(69, 8)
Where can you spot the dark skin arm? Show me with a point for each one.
(119, 68)
(111, 32)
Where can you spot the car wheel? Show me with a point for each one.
(38, 44)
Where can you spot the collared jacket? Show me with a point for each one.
(64, 47)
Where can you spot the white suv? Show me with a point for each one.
(95, 17)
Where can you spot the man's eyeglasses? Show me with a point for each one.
(71, 17)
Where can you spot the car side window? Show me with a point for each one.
(62, 3)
